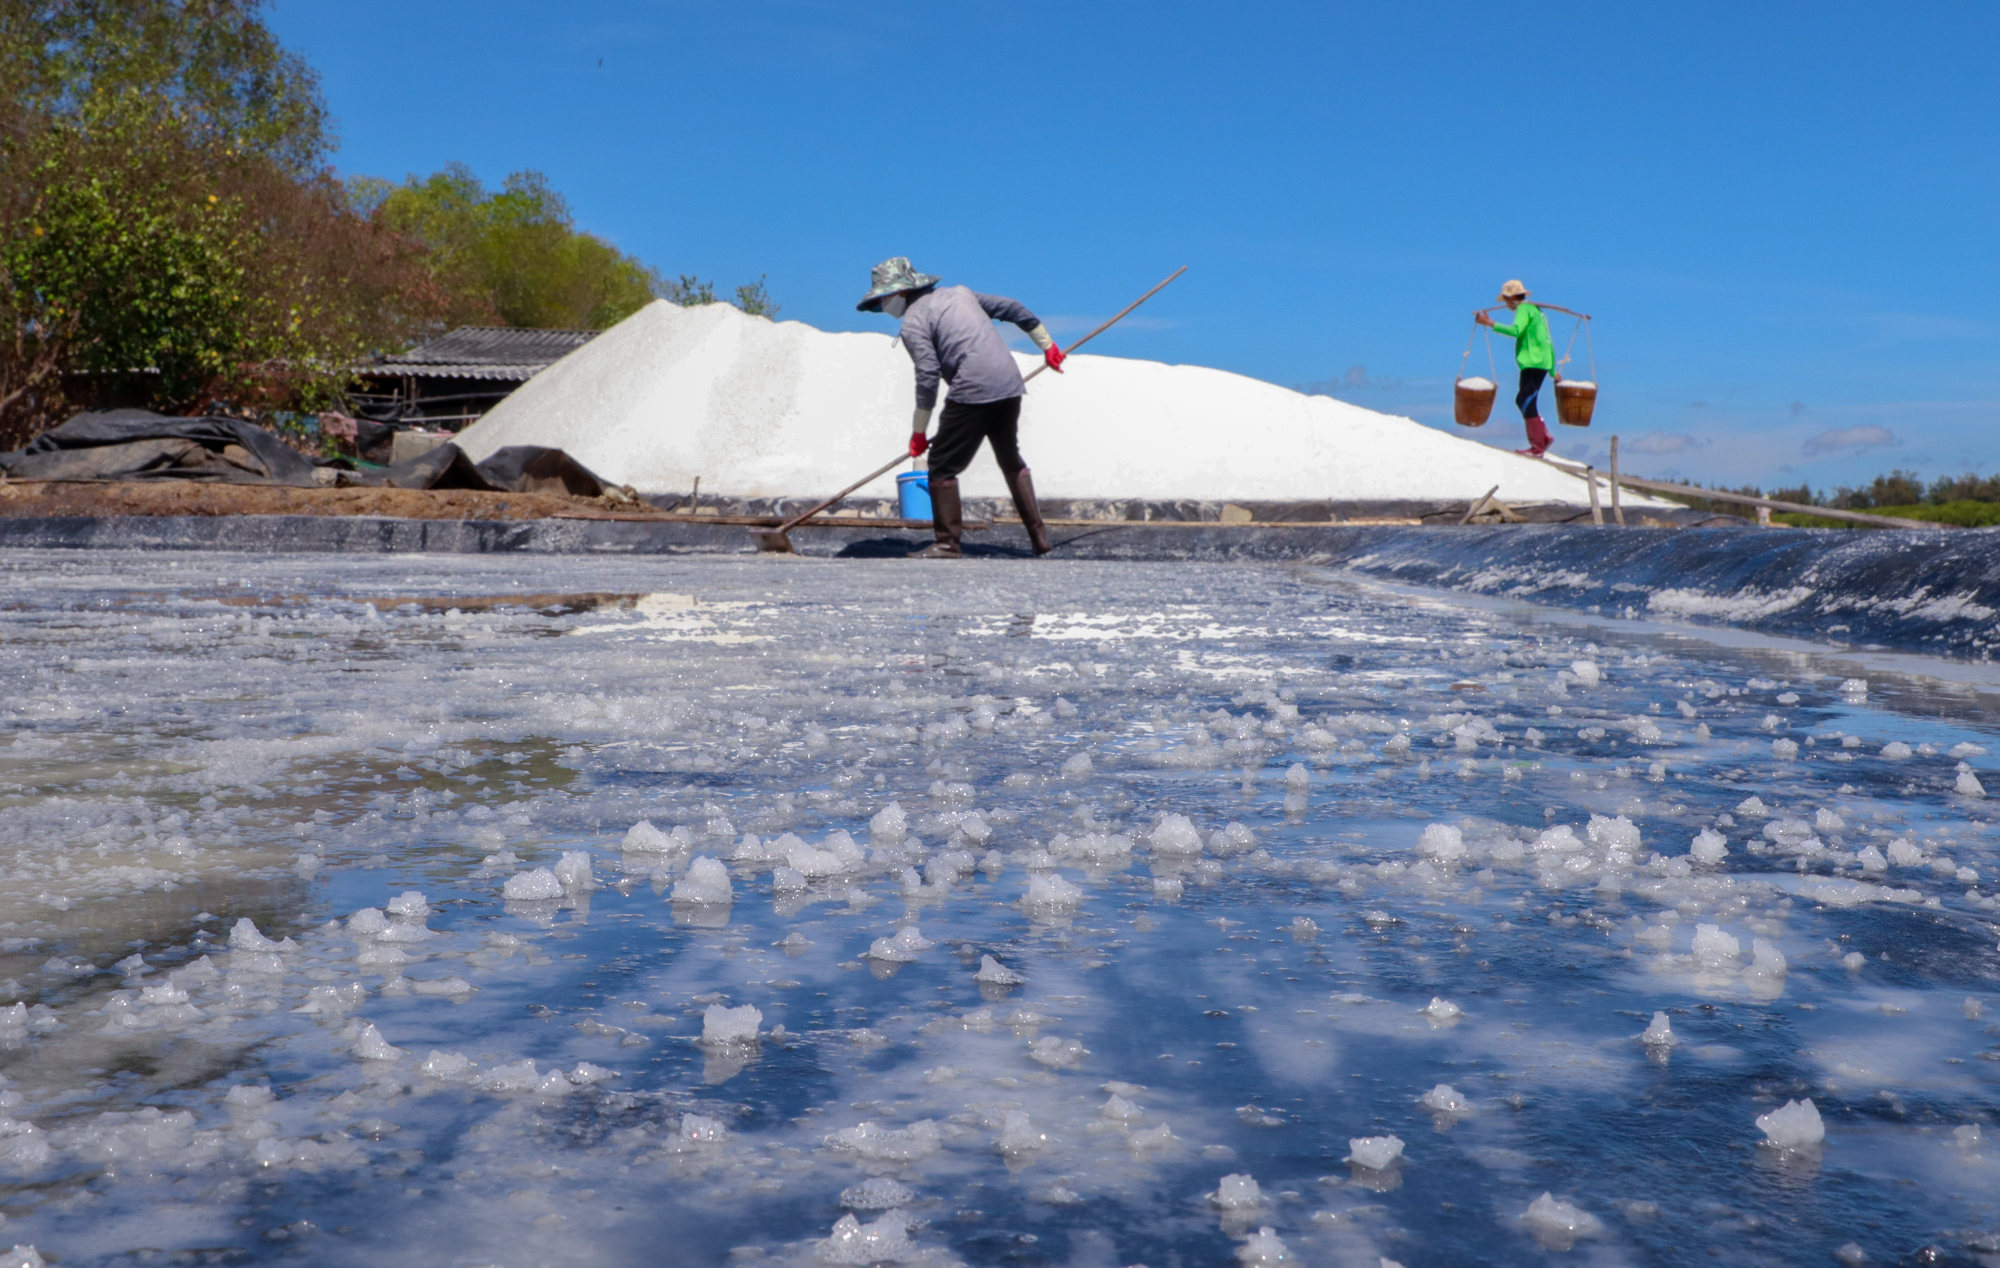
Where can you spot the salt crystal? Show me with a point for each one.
(1443, 1099)
(1709, 847)
(1019, 1135)
(1050, 892)
(1871, 860)
(573, 870)
(367, 921)
(447, 1065)
(644, 838)
(901, 948)
(994, 973)
(706, 882)
(1077, 766)
(531, 886)
(873, 1141)
(409, 904)
(1714, 949)
(1118, 1109)
(852, 1242)
(1895, 750)
(889, 825)
(1966, 1137)
(1558, 1221)
(877, 1193)
(1903, 854)
(1968, 785)
(1157, 1137)
(369, 1045)
(1784, 750)
(786, 880)
(1176, 834)
(1236, 1192)
(721, 1024)
(701, 1129)
(1441, 1010)
(1794, 1125)
(1477, 383)
(1442, 842)
(1659, 1033)
(1374, 1152)
(1057, 1053)
(1853, 961)
(1297, 777)
(1263, 1247)
(1586, 672)
(1167, 888)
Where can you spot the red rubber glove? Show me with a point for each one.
(918, 444)
(1055, 356)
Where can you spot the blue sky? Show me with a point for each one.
(1782, 215)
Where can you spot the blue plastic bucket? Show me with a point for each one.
(913, 495)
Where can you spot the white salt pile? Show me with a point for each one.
(1660, 1033)
(763, 409)
(1556, 1223)
(1236, 1192)
(721, 1024)
(1477, 383)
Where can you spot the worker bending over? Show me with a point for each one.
(949, 335)
(1535, 353)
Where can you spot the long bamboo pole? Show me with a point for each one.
(1114, 321)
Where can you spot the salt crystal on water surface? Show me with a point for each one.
(1374, 1152)
(1237, 1192)
(1659, 1033)
(1050, 892)
(1709, 847)
(1442, 842)
(721, 1024)
(1168, 888)
(904, 947)
(787, 880)
(873, 1141)
(1766, 958)
(368, 920)
(1794, 1125)
(1557, 1223)
(1714, 949)
(1895, 750)
(706, 882)
(889, 825)
(852, 1242)
(451, 987)
(1176, 834)
(573, 870)
(1784, 750)
(1019, 1135)
(1158, 1137)
(1871, 859)
(1298, 777)
(877, 1193)
(531, 886)
(1904, 854)
(1442, 1099)
(1968, 785)
(1441, 1010)
(1853, 961)
(454, 1066)
(1119, 1109)
(1966, 1137)
(1966, 749)
(1057, 1053)
(701, 1129)
(1077, 766)
(994, 973)
(1263, 1247)
(409, 904)
(369, 1045)
(1586, 672)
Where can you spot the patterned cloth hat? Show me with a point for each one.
(888, 278)
(1513, 290)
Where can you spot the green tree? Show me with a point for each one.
(161, 229)
(514, 256)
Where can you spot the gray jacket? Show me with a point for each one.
(949, 334)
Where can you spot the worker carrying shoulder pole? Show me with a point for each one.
(949, 335)
(1535, 353)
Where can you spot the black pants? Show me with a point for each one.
(962, 427)
(1531, 387)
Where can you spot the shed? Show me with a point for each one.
(456, 378)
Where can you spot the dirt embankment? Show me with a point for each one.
(186, 497)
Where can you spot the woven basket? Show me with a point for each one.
(1472, 406)
(1575, 403)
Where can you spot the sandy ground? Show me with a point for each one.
(187, 497)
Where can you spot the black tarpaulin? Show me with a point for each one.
(137, 444)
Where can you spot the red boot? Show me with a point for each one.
(1539, 439)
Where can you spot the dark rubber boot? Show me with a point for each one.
(1022, 485)
(947, 521)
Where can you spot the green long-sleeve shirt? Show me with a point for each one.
(1533, 348)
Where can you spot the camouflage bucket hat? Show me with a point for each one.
(888, 278)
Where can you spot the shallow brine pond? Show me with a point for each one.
(562, 911)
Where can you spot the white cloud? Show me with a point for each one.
(1663, 442)
(1840, 439)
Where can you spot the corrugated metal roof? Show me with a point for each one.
(485, 352)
